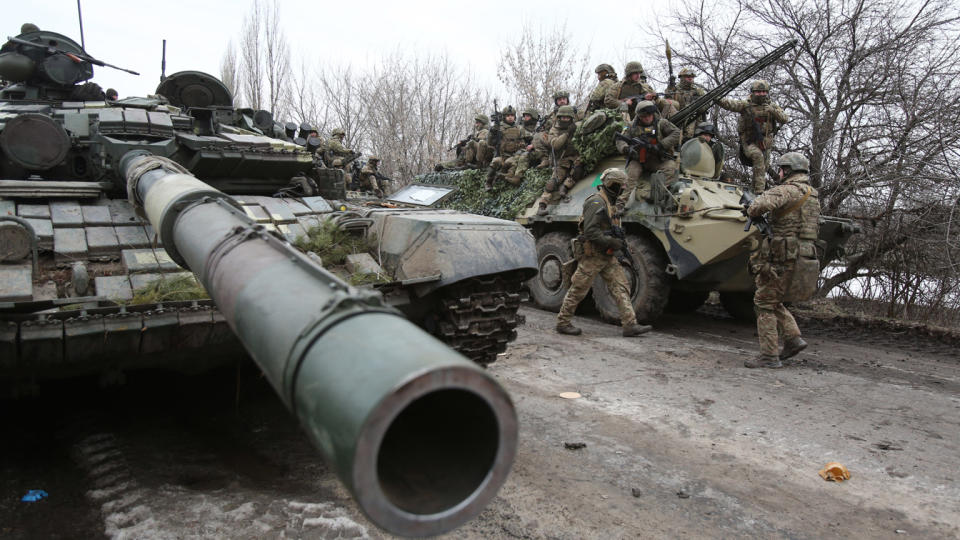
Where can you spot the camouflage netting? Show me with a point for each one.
(597, 145)
(506, 201)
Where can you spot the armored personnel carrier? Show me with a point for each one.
(685, 243)
(102, 200)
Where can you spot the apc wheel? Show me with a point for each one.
(553, 249)
(649, 284)
(685, 301)
(739, 305)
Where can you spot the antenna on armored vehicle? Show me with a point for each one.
(163, 62)
(83, 44)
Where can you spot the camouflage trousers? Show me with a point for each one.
(612, 273)
(641, 181)
(760, 158)
(476, 153)
(507, 167)
(368, 182)
(774, 320)
(565, 174)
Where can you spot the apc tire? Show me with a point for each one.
(739, 305)
(649, 284)
(685, 301)
(553, 249)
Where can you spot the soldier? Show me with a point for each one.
(529, 119)
(560, 98)
(26, 28)
(598, 256)
(567, 167)
(686, 93)
(338, 156)
(606, 77)
(759, 119)
(660, 137)
(703, 150)
(476, 153)
(368, 177)
(512, 140)
(629, 91)
(111, 94)
(794, 221)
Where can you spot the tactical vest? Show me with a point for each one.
(512, 140)
(686, 96)
(760, 116)
(596, 97)
(802, 218)
(652, 133)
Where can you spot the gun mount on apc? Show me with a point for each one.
(100, 199)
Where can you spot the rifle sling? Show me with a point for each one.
(795, 206)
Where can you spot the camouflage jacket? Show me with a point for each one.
(596, 223)
(552, 118)
(334, 149)
(512, 140)
(758, 122)
(662, 133)
(794, 209)
(597, 97)
(624, 89)
(686, 95)
(561, 141)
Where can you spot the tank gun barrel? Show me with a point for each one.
(420, 435)
(704, 102)
(76, 57)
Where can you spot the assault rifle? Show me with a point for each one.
(761, 222)
(76, 57)
(353, 156)
(704, 102)
(459, 146)
(495, 131)
(641, 144)
(624, 254)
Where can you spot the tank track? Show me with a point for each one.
(478, 316)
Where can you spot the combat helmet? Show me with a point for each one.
(482, 118)
(613, 177)
(509, 111)
(566, 110)
(633, 67)
(759, 85)
(338, 132)
(373, 159)
(646, 107)
(795, 161)
(685, 72)
(561, 94)
(604, 68)
(705, 127)
(534, 113)
(26, 28)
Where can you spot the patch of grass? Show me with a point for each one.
(363, 278)
(169, 289)
(332, 243)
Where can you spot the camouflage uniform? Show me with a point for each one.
(335, 154)
(608, 79)
(368, 177)
(686, 93)
(476, 153)
(756, 127)
(665, 136)
(513, 139)
(568, 167)
(794, 219)
(633, 84)
(598, 257)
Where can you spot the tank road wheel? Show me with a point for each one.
(649, 284)
(739, 305)
(553, 249)
(685, 301)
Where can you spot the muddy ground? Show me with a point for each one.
(680, 441)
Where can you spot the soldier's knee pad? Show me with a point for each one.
(551, 185)
(569, 182)
(577, 172)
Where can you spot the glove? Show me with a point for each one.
(632, 153)
(616, 244)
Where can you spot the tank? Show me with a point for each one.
(685, 244)
(101, 200)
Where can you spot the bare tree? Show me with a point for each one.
(264, 59)
(229, 69)
(541, 62)
(873, 94)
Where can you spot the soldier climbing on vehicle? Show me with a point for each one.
(648, 142)
(760, 119)
(597, 251)
(567, 165)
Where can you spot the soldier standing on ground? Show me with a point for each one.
(628, 91)
(794, 221)
(368, 177)
(599, 248)
(663, 137)
(567, 165)
(759, 122)
(606, 77)
(512, 142)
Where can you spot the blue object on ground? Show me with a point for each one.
(34, 495)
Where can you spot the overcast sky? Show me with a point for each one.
(129, 33)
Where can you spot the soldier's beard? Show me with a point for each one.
(760, 100)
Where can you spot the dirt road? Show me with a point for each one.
(680, 441)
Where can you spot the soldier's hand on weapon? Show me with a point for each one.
(529, 147)
(632, 153)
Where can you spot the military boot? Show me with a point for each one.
(490, 176)
(542, 209)
(568, 329)
(792, 347)
(764, 360)
(636, 329)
